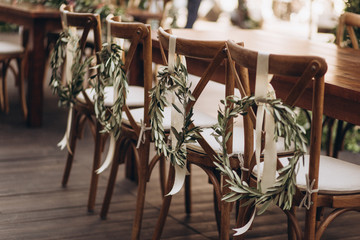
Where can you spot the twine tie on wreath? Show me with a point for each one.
(306, 201)
(176, 121)
(240, 156)
(142, 136)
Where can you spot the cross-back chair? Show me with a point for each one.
(11, 51)
(139, 36)
(203, 153)
(83, 109)
(347, 21)
(135, 126)
(332, 183)
(213, 54)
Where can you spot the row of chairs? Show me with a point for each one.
(336, 183)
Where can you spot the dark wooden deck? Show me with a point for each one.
(33, 205)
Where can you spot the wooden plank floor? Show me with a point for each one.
(33, 205)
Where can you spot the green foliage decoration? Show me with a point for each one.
(110, 72)
(176, 82)
(67, 92)
(281, 193)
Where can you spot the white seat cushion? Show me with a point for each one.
(335, 176)
(10, 48)
(238, 141)
(200, 118)
(135, 97)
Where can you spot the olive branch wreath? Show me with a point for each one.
(281, 193)
(176, 82)
(67, 92)
(110, 72)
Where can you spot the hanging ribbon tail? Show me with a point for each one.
(64, 142)
(270, 154)
(246, 227)
(258, 131)
(110, 155)
(180, 174)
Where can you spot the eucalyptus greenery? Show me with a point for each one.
(281, 193)
(67, 92)
(176, 82)
(110, 72)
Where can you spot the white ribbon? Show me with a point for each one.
(246, 227)
(109, 156)
(176, 121)
(112, 146)
(64, 142)
(70, 51)
(306, 201)
(262, 90)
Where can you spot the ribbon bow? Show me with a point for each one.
(306, 201)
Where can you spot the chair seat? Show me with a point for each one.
(200, 118)
(10, 48)
(335, 176)
(238, 142)
(135, 97)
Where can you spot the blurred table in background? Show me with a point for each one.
(38, 20)
(342, 80)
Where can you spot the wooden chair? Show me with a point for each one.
(335, 183)
(347, 21)
(83, 109)
(203, 153)
(213, 54)
(139, 36)
(10, 51)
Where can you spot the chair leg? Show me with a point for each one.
(340, 137)
(310, 223)
(165, 206)
(291, 230)
(96, 165)
(5, 105)
(188, 191)
(21, 70)
(110, 187)
(141, 157)
(162, 172)
(217, 211)
(329, 122)
(73, 140)
(225, 220)
(2, 106)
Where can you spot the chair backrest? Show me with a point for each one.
(213, 55)
(302, 70)
(139, 35)
(72, 21)
(348, 20)
(84, 21)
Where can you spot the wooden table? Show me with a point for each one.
(342, 80)
(39, 20)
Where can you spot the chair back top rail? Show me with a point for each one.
(348, 20)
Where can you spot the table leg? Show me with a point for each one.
(36, 63)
